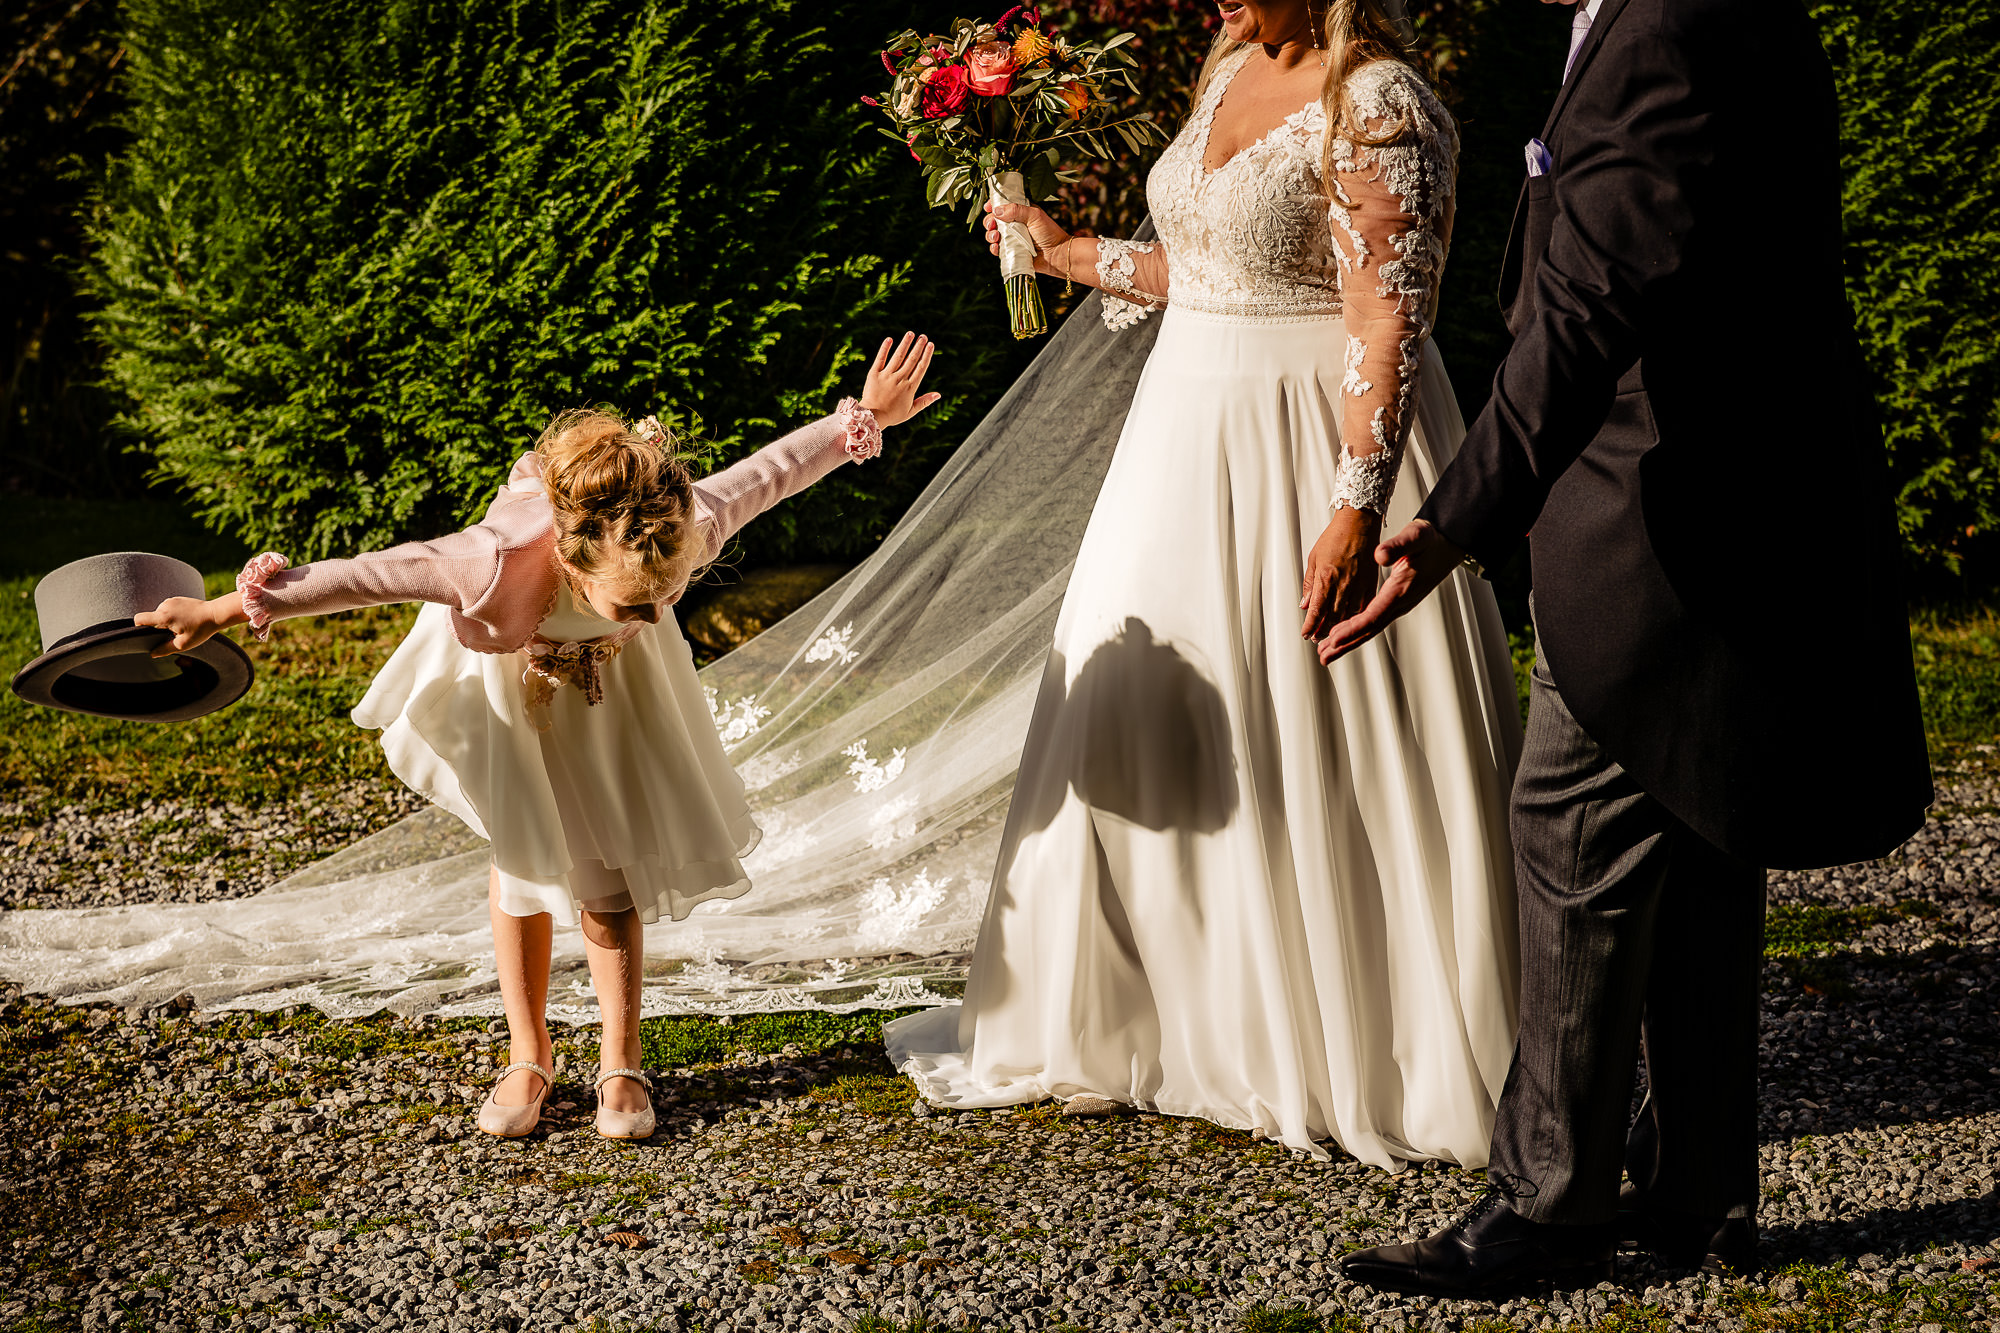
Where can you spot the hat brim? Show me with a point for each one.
(108, 670)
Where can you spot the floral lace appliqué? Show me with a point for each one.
(1415, 170)
(832, 646)
(736, 720)
(1115, 267)
(872, 774)
(1366, 481)
(1249, 237)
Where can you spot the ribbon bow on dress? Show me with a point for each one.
(553, 665)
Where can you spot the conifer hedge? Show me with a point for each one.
(1920, 118)
(356, 252)
(359, 250)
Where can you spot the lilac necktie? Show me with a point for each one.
(1579, 28)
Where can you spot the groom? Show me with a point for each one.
(1723, 678)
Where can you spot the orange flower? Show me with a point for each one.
(1031, 48)
(990, 67)
(1076, 97)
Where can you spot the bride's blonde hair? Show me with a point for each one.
(1352, 33)
(623, 504)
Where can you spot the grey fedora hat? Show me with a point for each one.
(95, 660)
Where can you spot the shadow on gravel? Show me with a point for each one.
(1886, 1232)
(1863, 1040)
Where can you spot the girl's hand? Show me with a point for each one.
(1042, 230)
(893, 381)
(192, 621)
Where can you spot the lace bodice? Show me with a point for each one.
(1251, 236)
(1262, 235)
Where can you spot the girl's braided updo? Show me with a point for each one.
(623, 506)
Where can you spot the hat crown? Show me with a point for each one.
(103, 588)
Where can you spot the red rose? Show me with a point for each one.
(944, 92)
(992, 68)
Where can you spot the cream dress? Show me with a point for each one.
(629, 802)
(1234, 883)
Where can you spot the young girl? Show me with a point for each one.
(545, 698)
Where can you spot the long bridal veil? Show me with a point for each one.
(877, 730)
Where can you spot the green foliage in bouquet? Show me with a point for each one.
(993, 110)
(358, 251)
(1920, 113)
(1009, 96)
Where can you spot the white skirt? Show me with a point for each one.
(627, 803)
(1234, 883)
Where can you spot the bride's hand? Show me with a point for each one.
(893, 381)
(1340, 571)
(1042, 230)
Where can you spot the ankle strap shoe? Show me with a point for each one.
(625, 1124)
(511, 1122)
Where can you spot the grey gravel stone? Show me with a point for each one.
(164, 850)
(179, 1170)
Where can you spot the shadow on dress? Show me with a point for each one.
(1141, 735)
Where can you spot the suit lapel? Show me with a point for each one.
(1606, 16)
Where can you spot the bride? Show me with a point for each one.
(1235, 884)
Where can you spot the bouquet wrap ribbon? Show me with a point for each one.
(1017, 249)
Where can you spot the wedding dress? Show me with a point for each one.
(1233, 883)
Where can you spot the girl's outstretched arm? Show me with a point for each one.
(892, 395)
(459, 571)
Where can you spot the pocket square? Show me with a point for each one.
(1539, 160)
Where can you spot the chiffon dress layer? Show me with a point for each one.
(568, 791)
(1236, 884)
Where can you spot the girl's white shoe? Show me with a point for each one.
(511, 1122)
(625, 1124)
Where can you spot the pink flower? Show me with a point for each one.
(992, 67)
(944, 92)
(888, 61)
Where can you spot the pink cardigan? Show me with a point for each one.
(499, 577)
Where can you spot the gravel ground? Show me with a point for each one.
(177, 1170)
(180, 851)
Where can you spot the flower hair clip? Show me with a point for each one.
(652, 432)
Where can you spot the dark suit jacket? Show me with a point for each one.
(1683, 423)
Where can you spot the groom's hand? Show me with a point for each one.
(1339, 575)
(1418, 559)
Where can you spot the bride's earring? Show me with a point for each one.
(1313, 25)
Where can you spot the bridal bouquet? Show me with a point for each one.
(992, 111)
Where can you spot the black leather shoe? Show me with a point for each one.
(1683, 1240)
(1491, 1251)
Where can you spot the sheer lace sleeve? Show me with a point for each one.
(1391, 218)
(1133, 271)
